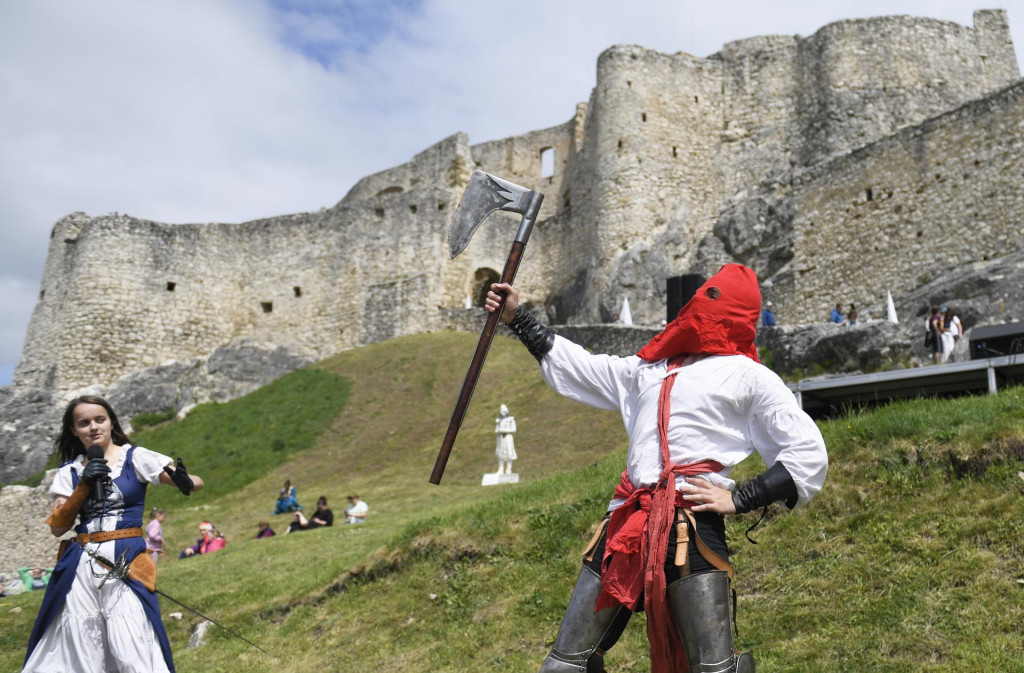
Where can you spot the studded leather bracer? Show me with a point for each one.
(534, 335)
(770, 486)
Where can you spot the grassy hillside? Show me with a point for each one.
(909, 560)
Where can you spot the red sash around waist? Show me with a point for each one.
(637, 544)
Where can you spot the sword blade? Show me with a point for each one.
(122, 566)
(212, 621)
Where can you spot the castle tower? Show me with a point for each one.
(737, 153)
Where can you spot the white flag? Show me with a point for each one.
(891, 307)
(624, 315)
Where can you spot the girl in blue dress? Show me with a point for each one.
(93, 619)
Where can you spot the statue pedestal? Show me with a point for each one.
(493, 479)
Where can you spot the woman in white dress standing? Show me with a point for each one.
(956, 330)
(93, 619)
(950, 332)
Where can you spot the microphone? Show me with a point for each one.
(95, 452)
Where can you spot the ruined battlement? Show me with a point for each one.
(812, 159)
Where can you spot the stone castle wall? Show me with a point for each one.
(675, 161)
(900, 212)
(868, 76)
(672, 140)
(121, 294)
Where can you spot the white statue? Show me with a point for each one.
(505, 427)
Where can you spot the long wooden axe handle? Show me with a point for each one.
(529, 205)
(475, 366)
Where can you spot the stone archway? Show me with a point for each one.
(482, 279)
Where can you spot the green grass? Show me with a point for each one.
(910, 559)
(142, 421)
(37, 478)
(232, 445)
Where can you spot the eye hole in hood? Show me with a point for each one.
(720, 319)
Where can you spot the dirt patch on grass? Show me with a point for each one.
(978, 462)
(382, 565)
(960, 463)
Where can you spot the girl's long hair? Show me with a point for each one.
(67, 445)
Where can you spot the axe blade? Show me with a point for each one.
(484, 194)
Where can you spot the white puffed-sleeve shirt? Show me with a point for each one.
(723, 408)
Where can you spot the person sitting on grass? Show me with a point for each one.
(286, 500)
(35, 579)
(210, 541)
(322, 517)
(264, 530)
(356, 511)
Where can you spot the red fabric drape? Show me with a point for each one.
(637, 543)
(718, 323)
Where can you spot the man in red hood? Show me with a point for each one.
(662, 546)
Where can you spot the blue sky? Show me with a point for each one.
(333, 33)
(232, 110)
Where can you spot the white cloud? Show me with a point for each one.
(211, 111)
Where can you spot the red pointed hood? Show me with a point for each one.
(722, 325)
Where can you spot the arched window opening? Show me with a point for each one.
(482, 280)
(547, 162)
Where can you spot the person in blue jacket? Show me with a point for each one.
(286, 500)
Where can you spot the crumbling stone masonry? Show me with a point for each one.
(862, 158)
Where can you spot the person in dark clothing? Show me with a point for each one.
(934, 335)
(322, 517)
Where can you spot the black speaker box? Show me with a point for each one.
(995, 340)
(680, 289)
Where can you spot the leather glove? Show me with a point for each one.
(96, 469)
(179, 476)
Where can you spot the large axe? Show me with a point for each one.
(485, 194)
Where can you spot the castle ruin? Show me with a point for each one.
(860, 159)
